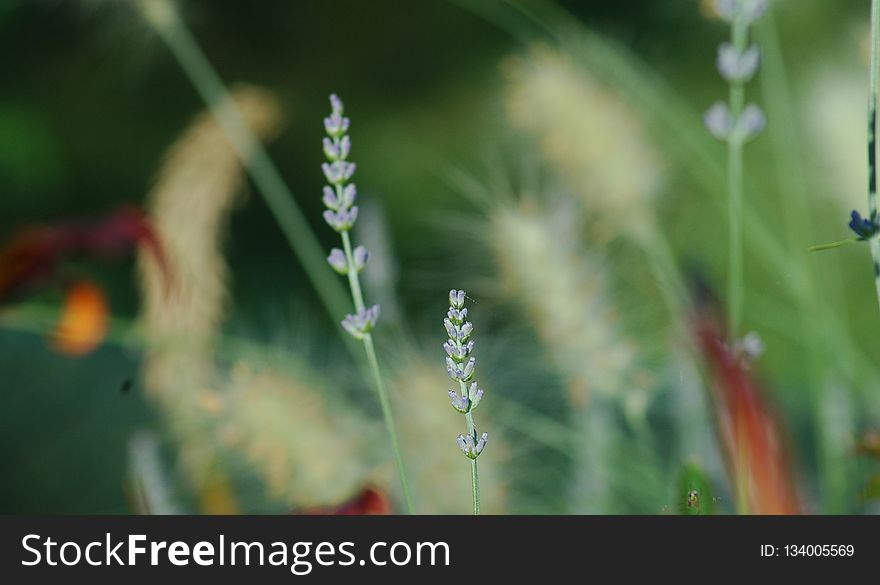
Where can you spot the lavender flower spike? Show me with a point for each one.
(341, 213)
(461, 367)
(735, 123)
(339, 194)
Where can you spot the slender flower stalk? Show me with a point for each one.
(872, 148)
(867, 229)
(460, 366)
(736, 123)
(341, 214)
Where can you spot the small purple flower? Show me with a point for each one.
(458, 352)
(338, 172)
(475, 394)
(718, 121)
(349, 194)
(736, 66)
(451, 330)
(331, 149)
(457, 316)
(459, 403)
(336, 104)
(344, 147)
(360, 256)
(750, 123)
(341, 220)
(361, 323)
(863, 227)
(336, 124)
(456, 298)
(330, 200)
(336, 259)
(466, 444)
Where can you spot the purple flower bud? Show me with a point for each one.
(462, 443)
(360, 257)
(476, 398)
(336, 104)
(336, 259)
(481, 444)
(338, 172)
(451, 331)
(718, 121)
(344, 147)
(331, 149)
(330, 199)
(348, 170)
(456, 299)
(736, 66)
(353, 215)
(750, 123)
(349, 194)
(330, 172)
(341, 220)
(457, 316)
(465, 331)
(332, 219)
(468, 371)
(361, 323)
(452, 369)
(459, 403)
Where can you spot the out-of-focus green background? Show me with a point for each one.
(90, 99)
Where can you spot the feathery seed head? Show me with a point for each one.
(587, 133)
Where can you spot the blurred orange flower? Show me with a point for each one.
(83, 323)
(750, 434)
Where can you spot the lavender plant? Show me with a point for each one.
(341, 214)
(866, 229)
(736, 123)
(461, 367)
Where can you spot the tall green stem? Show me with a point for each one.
(472, 431)
(378, 382)
(739, 39)
(872, 140)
